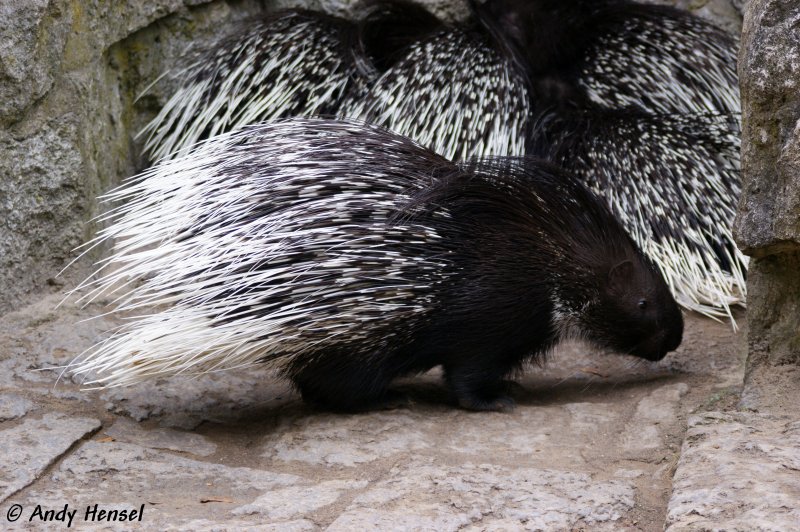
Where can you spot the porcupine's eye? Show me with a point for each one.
(642, 304)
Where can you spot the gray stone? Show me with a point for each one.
(740, 5)
(160, 438)
(297, 501)
(39, 340)
(768, 220)
(526, 433)
(645, 430)
(350, 440)
(13, 406)
(32, 38)
(40, 183)
(158, 472)
(231, 525)
(427, 519)
(737, 471)
(726, 14)
(425, 494)
(767, 226)
(173, 488)
(186, 402)
(772, 378)
(69, 76)
(27, 449)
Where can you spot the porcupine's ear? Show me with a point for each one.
(389, 27)
(621, 276)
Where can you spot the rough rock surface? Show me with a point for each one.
(769, 219)
(30, 447)
(726, 14)
(592, 444)
(69, 75)
(13, 406)
(768, 224)
(738, 471)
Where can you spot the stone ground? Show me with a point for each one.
(597, 442)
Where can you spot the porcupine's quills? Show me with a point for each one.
(263, 244)
(677, 225)
(446, 87)
(344, 255)
(619, 54)
(443, 86)
(643, 102)
(291, 63)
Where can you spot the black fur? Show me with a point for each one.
(534, 257)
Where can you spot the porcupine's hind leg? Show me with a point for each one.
(481, 384)
(342, 383)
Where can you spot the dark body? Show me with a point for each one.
(530, 257)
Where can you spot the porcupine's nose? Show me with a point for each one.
(657, 347)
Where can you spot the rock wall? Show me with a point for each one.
(70, 72)
(725, 13)
(768, 225)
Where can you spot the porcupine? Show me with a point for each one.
(344, 255)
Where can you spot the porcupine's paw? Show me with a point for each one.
(481, 387)
(498, 403)
(495, 398)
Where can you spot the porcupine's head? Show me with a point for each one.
(605, 290)
(623, 304)
(636, 313)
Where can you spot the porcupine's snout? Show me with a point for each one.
(663, 342)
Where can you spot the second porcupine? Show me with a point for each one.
(343, 256)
